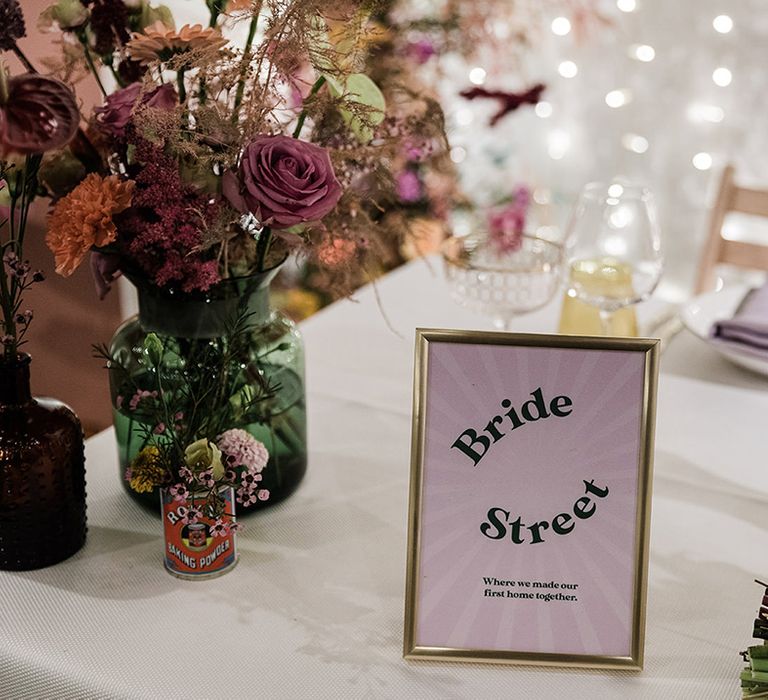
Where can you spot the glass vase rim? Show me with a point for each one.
(600, 190)
(23, 359)
(143, 283)
(454, 260)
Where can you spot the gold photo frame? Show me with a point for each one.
(446, 567)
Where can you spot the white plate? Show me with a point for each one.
(702, 311)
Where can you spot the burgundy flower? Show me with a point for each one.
(283, 182)
(113, 116)
(105, 269)
(109, 24)
(40, 115)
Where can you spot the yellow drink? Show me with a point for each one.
(603, 278)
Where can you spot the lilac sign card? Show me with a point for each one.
(530, 498)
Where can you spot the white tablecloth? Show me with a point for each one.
(315, 607)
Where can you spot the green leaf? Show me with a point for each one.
(361, 90)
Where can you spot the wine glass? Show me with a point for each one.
(500, 283)
(613, 247)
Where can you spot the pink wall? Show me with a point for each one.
(37, 45)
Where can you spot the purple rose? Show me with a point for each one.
(113, 116)
(283, 182)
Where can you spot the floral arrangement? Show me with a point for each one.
(38, 115)
(214, 156)
(194, 453)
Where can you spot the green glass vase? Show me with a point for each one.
(185, 322)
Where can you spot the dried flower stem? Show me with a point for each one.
(20, 55)
(22, 187)
(246, 59)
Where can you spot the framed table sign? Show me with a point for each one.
(530, 498)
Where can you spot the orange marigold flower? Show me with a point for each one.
(160, 43)
(84, 218)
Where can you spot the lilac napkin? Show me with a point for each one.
(747, 331)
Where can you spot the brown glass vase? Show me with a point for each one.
(42, 475)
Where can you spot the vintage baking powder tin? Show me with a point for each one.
(191, 549)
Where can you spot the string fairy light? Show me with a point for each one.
(558, 143)
(722, 24)
(561, 26)
(626, 5)
(699, 113)
(618, 98)
(634, 143)
(642, 52)
(702, 161)
(477, 75)
(568, 69)
(722, 77)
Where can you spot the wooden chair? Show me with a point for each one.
(731, 198)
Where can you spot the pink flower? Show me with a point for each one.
(241, 449)
(113, 116)
(409, 186)
(249, 480)
(179, 492)
(139, 396)
(506, 224)
(220, 528)
(186, 474)
(263, 494)
(246, 496)
(283, 182)
(159, 429)
(206, 478)
(420, 50)
(191, 516)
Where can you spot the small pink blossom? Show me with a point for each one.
(159, 429)
(179, 492)
(206, 478)
(139, 396)
(263, 494)
(191, 516)
(186, 474)
(220, 528)
(246, 497)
